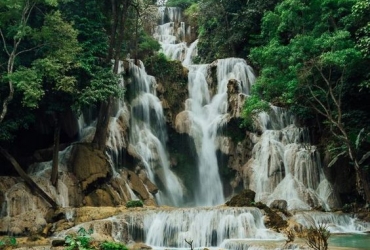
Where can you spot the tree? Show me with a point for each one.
(310, 63)
(14, 30)
(230, 28)
(119, 14)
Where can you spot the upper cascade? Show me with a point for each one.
(284, 165)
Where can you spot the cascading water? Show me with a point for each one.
(207, 111)
(204, 227)
(285, 166)
(208, 114)
(148, 136)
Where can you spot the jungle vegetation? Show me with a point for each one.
(311, 56)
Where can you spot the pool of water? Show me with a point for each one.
(359, 241)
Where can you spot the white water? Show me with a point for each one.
(285, 166)
(148, 136)
(208, 113)
(335, 222)
(205, 227)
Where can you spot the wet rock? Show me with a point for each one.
(140, 246)
(138, 186)
(99, 197)
(245, 198)
(183, 122)
(89, 165)
(58, 243)
(279, 204)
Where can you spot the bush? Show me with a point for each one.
(108, 245)
(81, 241)
(317, 237)
(135, 203)
(9, 242)
(183, 4)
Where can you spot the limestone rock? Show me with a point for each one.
(235, 98)
(99, 197)
(140, 246)
(138, 186)
(245, 198)
(89, 165)
(183, 122)
(279, 204)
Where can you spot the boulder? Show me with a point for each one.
(281, 205)
(244, 199)
(183, 122)
(138, 186)
(89, 165)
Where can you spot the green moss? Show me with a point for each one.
(135, 203)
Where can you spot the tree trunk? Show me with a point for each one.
(54, 169)
(31, 184)
(101, 133)
(362, 183)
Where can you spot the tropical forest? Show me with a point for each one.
(184, 124)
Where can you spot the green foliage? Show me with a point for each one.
(192, 14)
(108, 245)
(147, 46)
(7, 242)
(81, 241)
(180, 3)
(135, 203)
(102, 86)
(230, 28)
(252, 106)
(171, 71)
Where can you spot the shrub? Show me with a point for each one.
(317, 237)
(81, 241)
(108, 245)
(9, 242)
(135, 203)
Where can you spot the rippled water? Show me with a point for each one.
(357, 241)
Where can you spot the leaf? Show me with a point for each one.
(364, 157)
(335, 159)
(358, 138)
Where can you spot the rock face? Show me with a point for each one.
(89, 165)
(85, 179)
(235, 98)
(243, 199)
(279, 204)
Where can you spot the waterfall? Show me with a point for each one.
(285, 166)
(208, 113)
(148, 136)
(204, 227)
(335, 222)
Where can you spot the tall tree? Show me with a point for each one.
(311, 64)
(15, 29)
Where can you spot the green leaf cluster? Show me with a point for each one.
(108, 245)
(183, 4)
(8, 242)
(81, 241)
(134, 203)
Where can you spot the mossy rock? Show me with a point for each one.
(244, 199)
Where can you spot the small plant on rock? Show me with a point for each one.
(109, 245)
(135, 203)
(79, 242)
(317, 237)
(6, 243)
